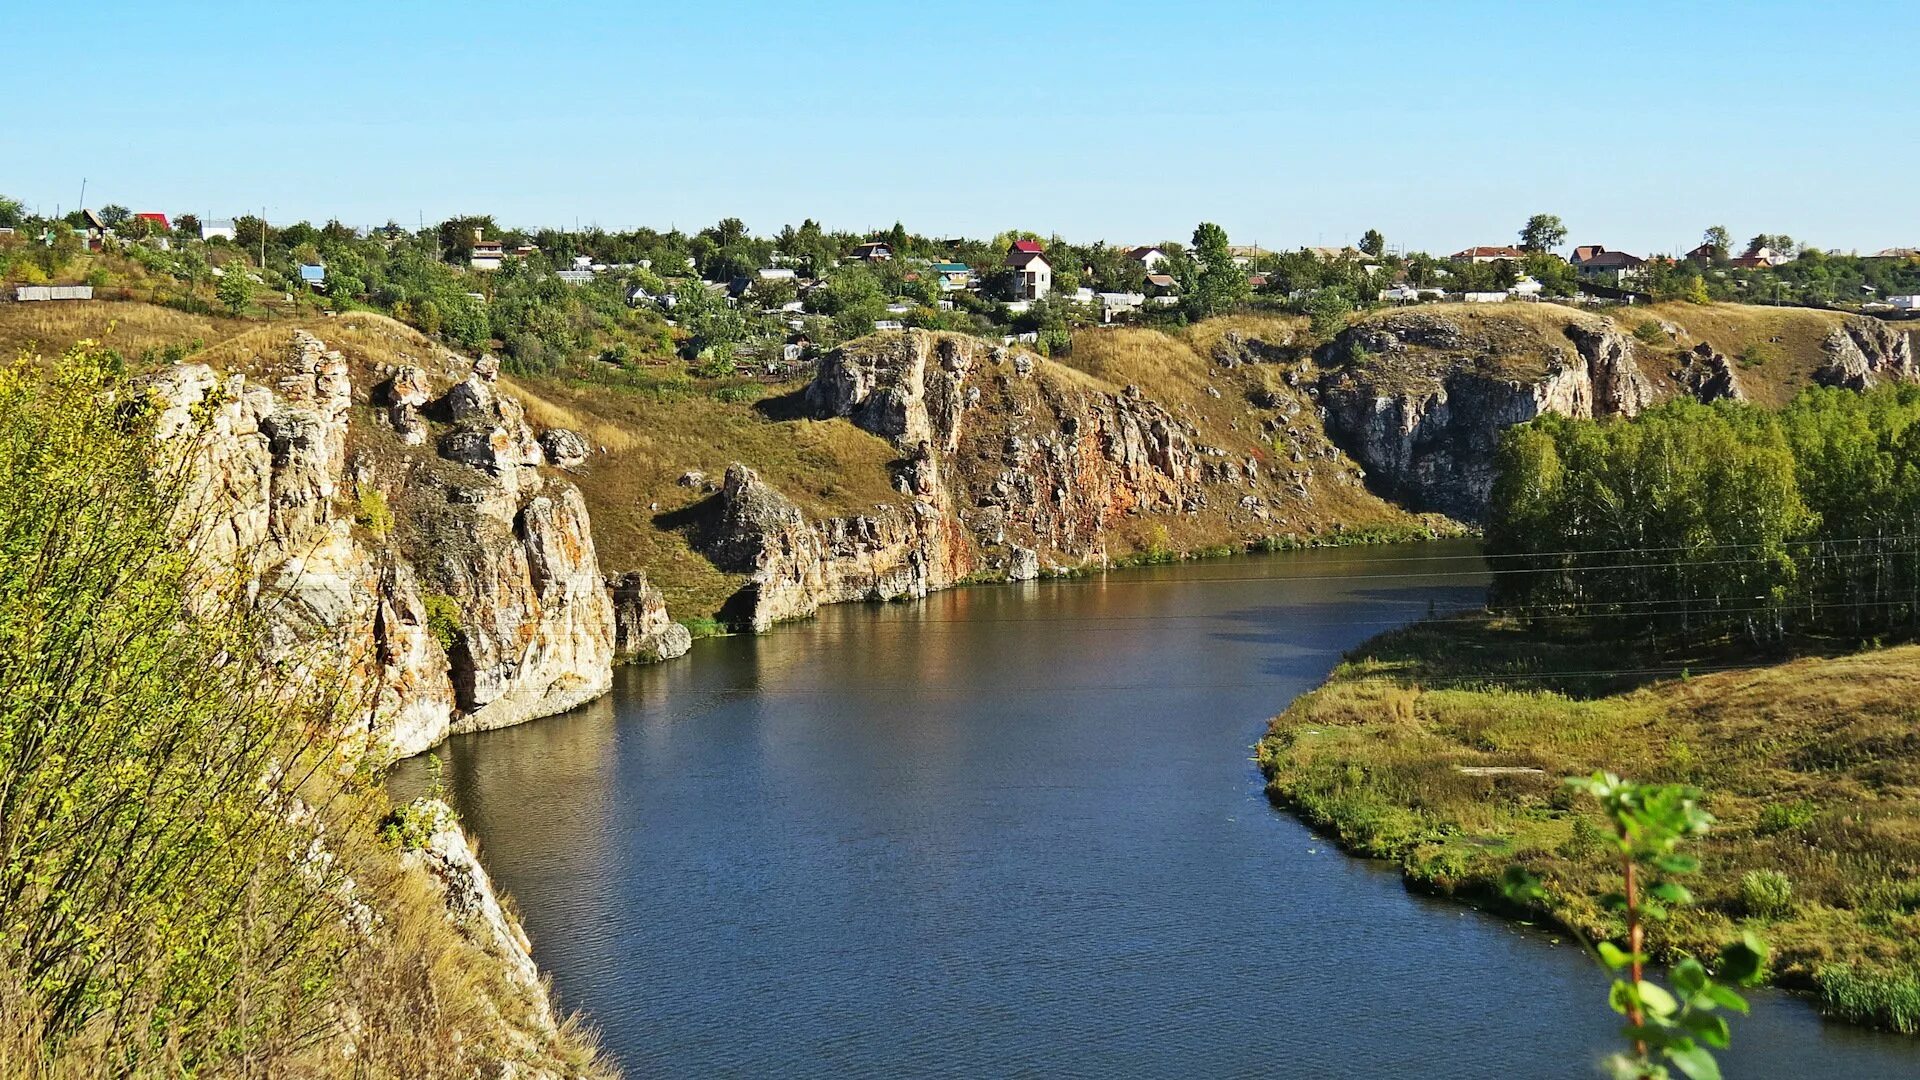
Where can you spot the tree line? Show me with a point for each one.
(1723, 518)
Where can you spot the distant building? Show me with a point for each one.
(1487, 254)
(1595, 259)
(1244, 254)
(1034, 274)
(1484, 297)
(953, 276)
(575, 277)
(486, 254)
(25, 293)
(220, 229)
(1115, 304)
(778, 273)
(1149, 257)
(1896, 253)
(1904, 303)
(157, 219)
(874, 251)
(889, 324)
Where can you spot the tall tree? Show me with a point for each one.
(1718, 241)
(1542, 232)
(12, 213)
(1217, 284)
(113, 214)
(1373, 243)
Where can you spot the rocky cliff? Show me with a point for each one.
(1421, 397)
(447, 589)
(1007, 465)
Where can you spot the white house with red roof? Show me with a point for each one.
(1034, 278)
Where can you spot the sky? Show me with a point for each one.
(1441, 124)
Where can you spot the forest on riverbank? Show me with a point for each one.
(1698, 596)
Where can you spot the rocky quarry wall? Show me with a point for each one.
(450, 587)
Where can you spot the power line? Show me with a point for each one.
(1462, 573)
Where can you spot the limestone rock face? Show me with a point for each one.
(1710, 376)
(1005, 463)
(473, 906)
(564, 448)
(642, 629)
(1862, 353)
(1620, 388)
(278, 493)
(795, 565)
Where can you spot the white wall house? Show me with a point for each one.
(1905, 303)
(222, 228)
(1034, 275)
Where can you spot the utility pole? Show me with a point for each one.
(83, 193)
(263, 238)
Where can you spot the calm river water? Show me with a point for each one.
(1016, 831)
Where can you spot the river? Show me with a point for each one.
(1016, 830)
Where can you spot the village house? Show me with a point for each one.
(1593, 259)
(1115, 304)
(575, 277)
(1245, 254)
(1896, 253)
(1034, 274)
(954, 276)
(157, 219)
(778, 273)
(1488, 254)
(1904, 303)
(874, 251)
(486, 254)
(1149, 257)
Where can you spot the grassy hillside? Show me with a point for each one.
(654, 424)
(1442, 747)
(1777, 349)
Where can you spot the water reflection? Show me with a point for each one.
(1015, 831)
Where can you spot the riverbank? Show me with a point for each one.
(1442, 747)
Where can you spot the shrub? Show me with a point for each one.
(373, 514)
(1586, 839)
(1880, 999)
(1759, 353)
(1766, 893)
(443, 619)
(1649, 332)
(154, 918)
(704, 626)
(1786, 817)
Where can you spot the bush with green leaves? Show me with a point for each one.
(1766, 893)
(161, 906)
(1678, 1024)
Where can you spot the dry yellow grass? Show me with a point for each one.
(1797, 334)
(127, 327)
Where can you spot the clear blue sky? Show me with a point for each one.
(1441, 124)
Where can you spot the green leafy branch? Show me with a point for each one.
(1678, 1024)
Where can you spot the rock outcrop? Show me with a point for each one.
(795, 565)
(1424, 407)
(1709, 375)
(1005, 467)
(363, 539)
(642, 629)
(1863, 353)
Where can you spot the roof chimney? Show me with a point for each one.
(478, 234)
